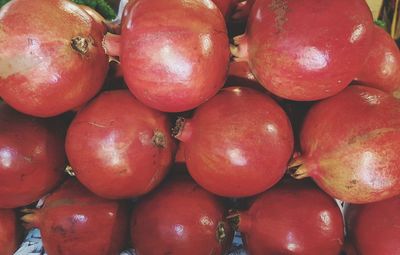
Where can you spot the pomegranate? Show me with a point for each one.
(350, 145)
(308, 49)
(292, 218)
(238, 143)
(32, 157)
(9, 232)
(242, 10)
(225, 6)
(239, 73)
(118, 147)
(75, 221)
(174, 54)
(374, 228)
(382, 67)
(46, 66)
(182, 218)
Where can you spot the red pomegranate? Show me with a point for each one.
(75, 221)
(32, 157)
(374, 228)
(382, 66)
(174, 54)
(239, 73)
(308, 49)
(242, 10)
(350, 145)
(292, 218)
(180, 218)
(225, 6)
(238, 143)
(9, 232)
(46, 66)
(118, 147)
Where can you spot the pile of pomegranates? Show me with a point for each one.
(181, 123)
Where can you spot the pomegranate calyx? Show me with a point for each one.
(112, 44)
(69, 170)
(239, 48)
(30, 219)
(182, 130)
(80, 44)
(221, 232)
(159, 140)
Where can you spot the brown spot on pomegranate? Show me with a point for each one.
(280, 8)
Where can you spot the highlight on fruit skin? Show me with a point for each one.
(75, 221)
(238, 143)
(294, 217)
(305, 50)
(350, 144)
(47, 67)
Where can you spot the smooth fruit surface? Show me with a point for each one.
(182, 218)
(9, 232)
(32, 157)
(238, 143)
(51, 59)
(350, 145)
(118, 147)
(174, 53)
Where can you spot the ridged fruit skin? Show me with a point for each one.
(306, 50)
(374, 228)
(350, 145)
(382, 66)
(293, 218)
(10, 235)
(41, 74)
(32, 157)
(238, 143)
(75, 221)
(174, 53)
(182, 218)
(118, 147)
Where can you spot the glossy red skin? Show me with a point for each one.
(374, 228)
(179, 218)
(175, 54)
(9, 232)
(382, 66)
(350, 145)
(309, 49)
(238, 143)
(32, 157)
(239, 73)
(293, 218)
(75, 221)
(40, 73)
(109, 145)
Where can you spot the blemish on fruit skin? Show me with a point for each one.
(279, 8)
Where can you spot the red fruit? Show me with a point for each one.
(350, 145)
(293, 218)
(238, 143)
(239, 73)
(382, 66)
(225, 6)
(9, 232)
(75, 221)
(51, 59)
(174, 53)
(308, 49)
(119, 148)
(374, 228)
(242, 10)
(182, 218)
(32, 157)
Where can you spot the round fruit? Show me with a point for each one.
(238, 143)
(32, 157)
(292, 218)
(174, 54)
(118, 147)
(307, 49)
(182, 218)
(350, 145)
(52, 58)
(374, 228)
(75, 221)
(9, 232)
